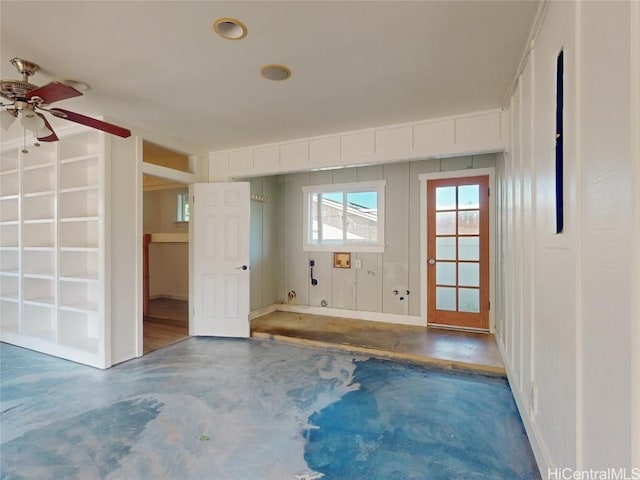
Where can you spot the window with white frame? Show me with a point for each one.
(346, 216)
(182, 210)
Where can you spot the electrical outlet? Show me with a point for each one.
(358, 263)
(312, 263)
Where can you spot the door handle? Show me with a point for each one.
(432, 261)
(243, 267)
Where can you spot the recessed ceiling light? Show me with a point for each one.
(276, 73)
(230, 28)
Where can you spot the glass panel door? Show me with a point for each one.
(458, 252)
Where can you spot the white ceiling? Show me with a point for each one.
(158, 66)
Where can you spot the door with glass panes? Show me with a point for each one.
(458, 252)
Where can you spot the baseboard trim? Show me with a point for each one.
(259, 312)
(444, 326)
(540, 451)
(340, 313)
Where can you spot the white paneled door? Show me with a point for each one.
(220, 259)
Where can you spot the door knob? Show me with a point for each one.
(243, 267)
(432, 261)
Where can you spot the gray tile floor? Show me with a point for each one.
(253, 409)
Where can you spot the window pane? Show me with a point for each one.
(446, 298)
(347, 215)
(468, 197)
(446, 273)
(469, 300)
(330, 228)
(445, 248)
(182, 210)
(365, 200)
(362, 216)
(446, 223)
(469, 274)
(445, 198)
(333, 197)
(469, 248)
(469, 222)
(313, 215)
(559, 143)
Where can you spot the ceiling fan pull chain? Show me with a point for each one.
(24, 142)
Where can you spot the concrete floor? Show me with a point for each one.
(436, 346)
(255, 409)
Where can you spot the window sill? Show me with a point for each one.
(181, 224)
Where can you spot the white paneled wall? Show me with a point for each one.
(266, 248)
(368, 289)
(605, 191)
(467, 134)
(393, 152)
(395, 259)
(566, 323)
(124, 260)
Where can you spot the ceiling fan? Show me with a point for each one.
(28, 100)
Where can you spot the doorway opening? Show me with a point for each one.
(165, 245)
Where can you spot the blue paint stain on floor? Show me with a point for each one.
(242, 409)
(94, 441)
(407, 422)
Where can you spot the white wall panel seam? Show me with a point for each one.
(635, 165)
(579, 213)
(512, 236)
(532, 103)
(520, 242)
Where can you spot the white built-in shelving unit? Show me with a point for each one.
(53, 247)
(10, 242)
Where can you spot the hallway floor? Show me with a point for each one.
(166, 324)
(244, 409)
(435, 346)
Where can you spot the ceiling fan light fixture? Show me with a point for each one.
(230, 28)
(26, 98)
(276, 72)
(6, 119)
(31, 121)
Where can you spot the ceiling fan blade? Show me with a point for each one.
(53, 92)
(91, 122)
(49, 138)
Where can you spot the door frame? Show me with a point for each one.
(186, 178)
(471, 172)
